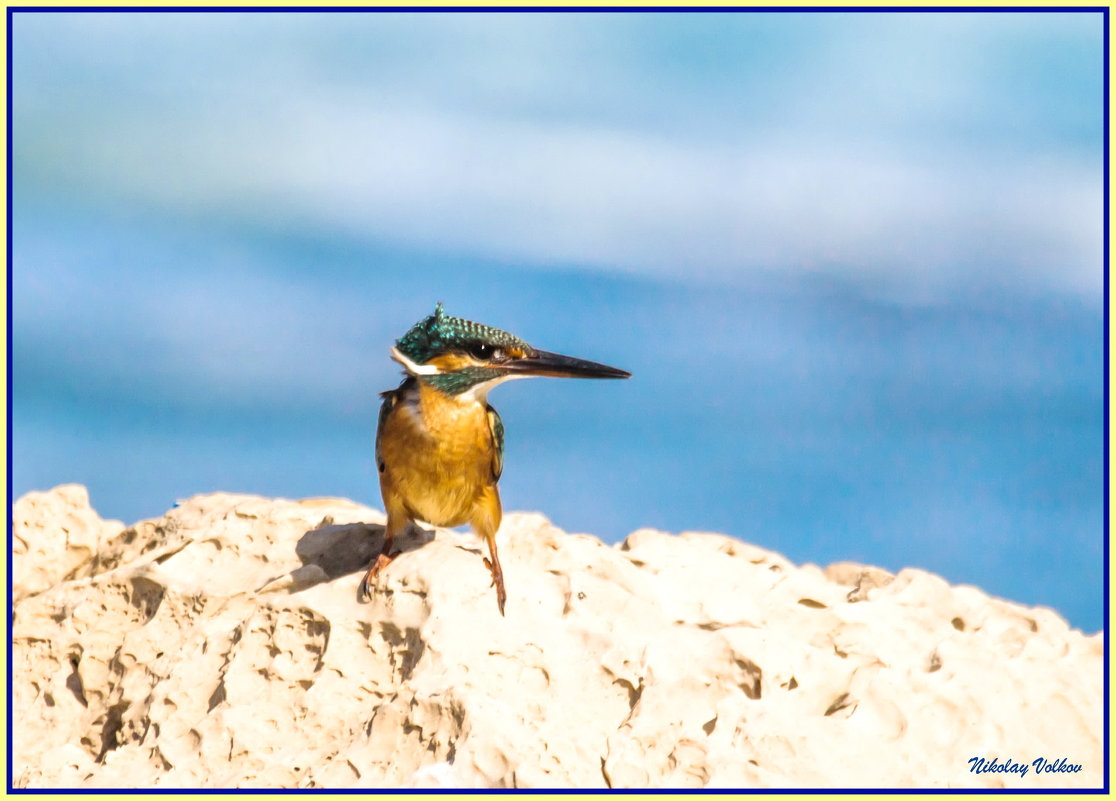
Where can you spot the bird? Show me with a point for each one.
(439, 444)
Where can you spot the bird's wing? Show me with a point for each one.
(402, 393)
(496, 426)
(391, 397)
(385, 409)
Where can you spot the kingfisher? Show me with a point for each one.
(439, 444)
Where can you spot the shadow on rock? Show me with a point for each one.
(331, 551)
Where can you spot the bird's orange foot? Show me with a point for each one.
(381, 561)
(498, 583)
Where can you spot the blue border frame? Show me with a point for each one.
(568, 9)
(8, 320)
(1104, 10)
(1106, 253)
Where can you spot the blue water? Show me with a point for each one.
(852, 260)
(808, 416)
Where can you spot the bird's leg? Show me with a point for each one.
(397, 522)
(486, 521)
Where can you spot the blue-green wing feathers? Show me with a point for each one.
(496, 426)
(385, 409)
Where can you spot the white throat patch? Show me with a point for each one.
(478, 393)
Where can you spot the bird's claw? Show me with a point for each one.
(498, 583)
(381, 561)
(501, 597)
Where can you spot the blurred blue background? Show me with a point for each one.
(853, 260)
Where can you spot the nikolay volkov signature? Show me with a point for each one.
(1040, 765)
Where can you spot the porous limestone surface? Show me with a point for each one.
(224, 646)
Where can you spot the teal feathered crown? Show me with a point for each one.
(440, 333)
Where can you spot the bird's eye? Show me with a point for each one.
(486, 352)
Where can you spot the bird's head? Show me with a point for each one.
(459, 356)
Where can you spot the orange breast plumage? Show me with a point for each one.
(437, 454)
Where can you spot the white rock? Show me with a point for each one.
(224, 646)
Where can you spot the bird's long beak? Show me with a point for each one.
(540, 362)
